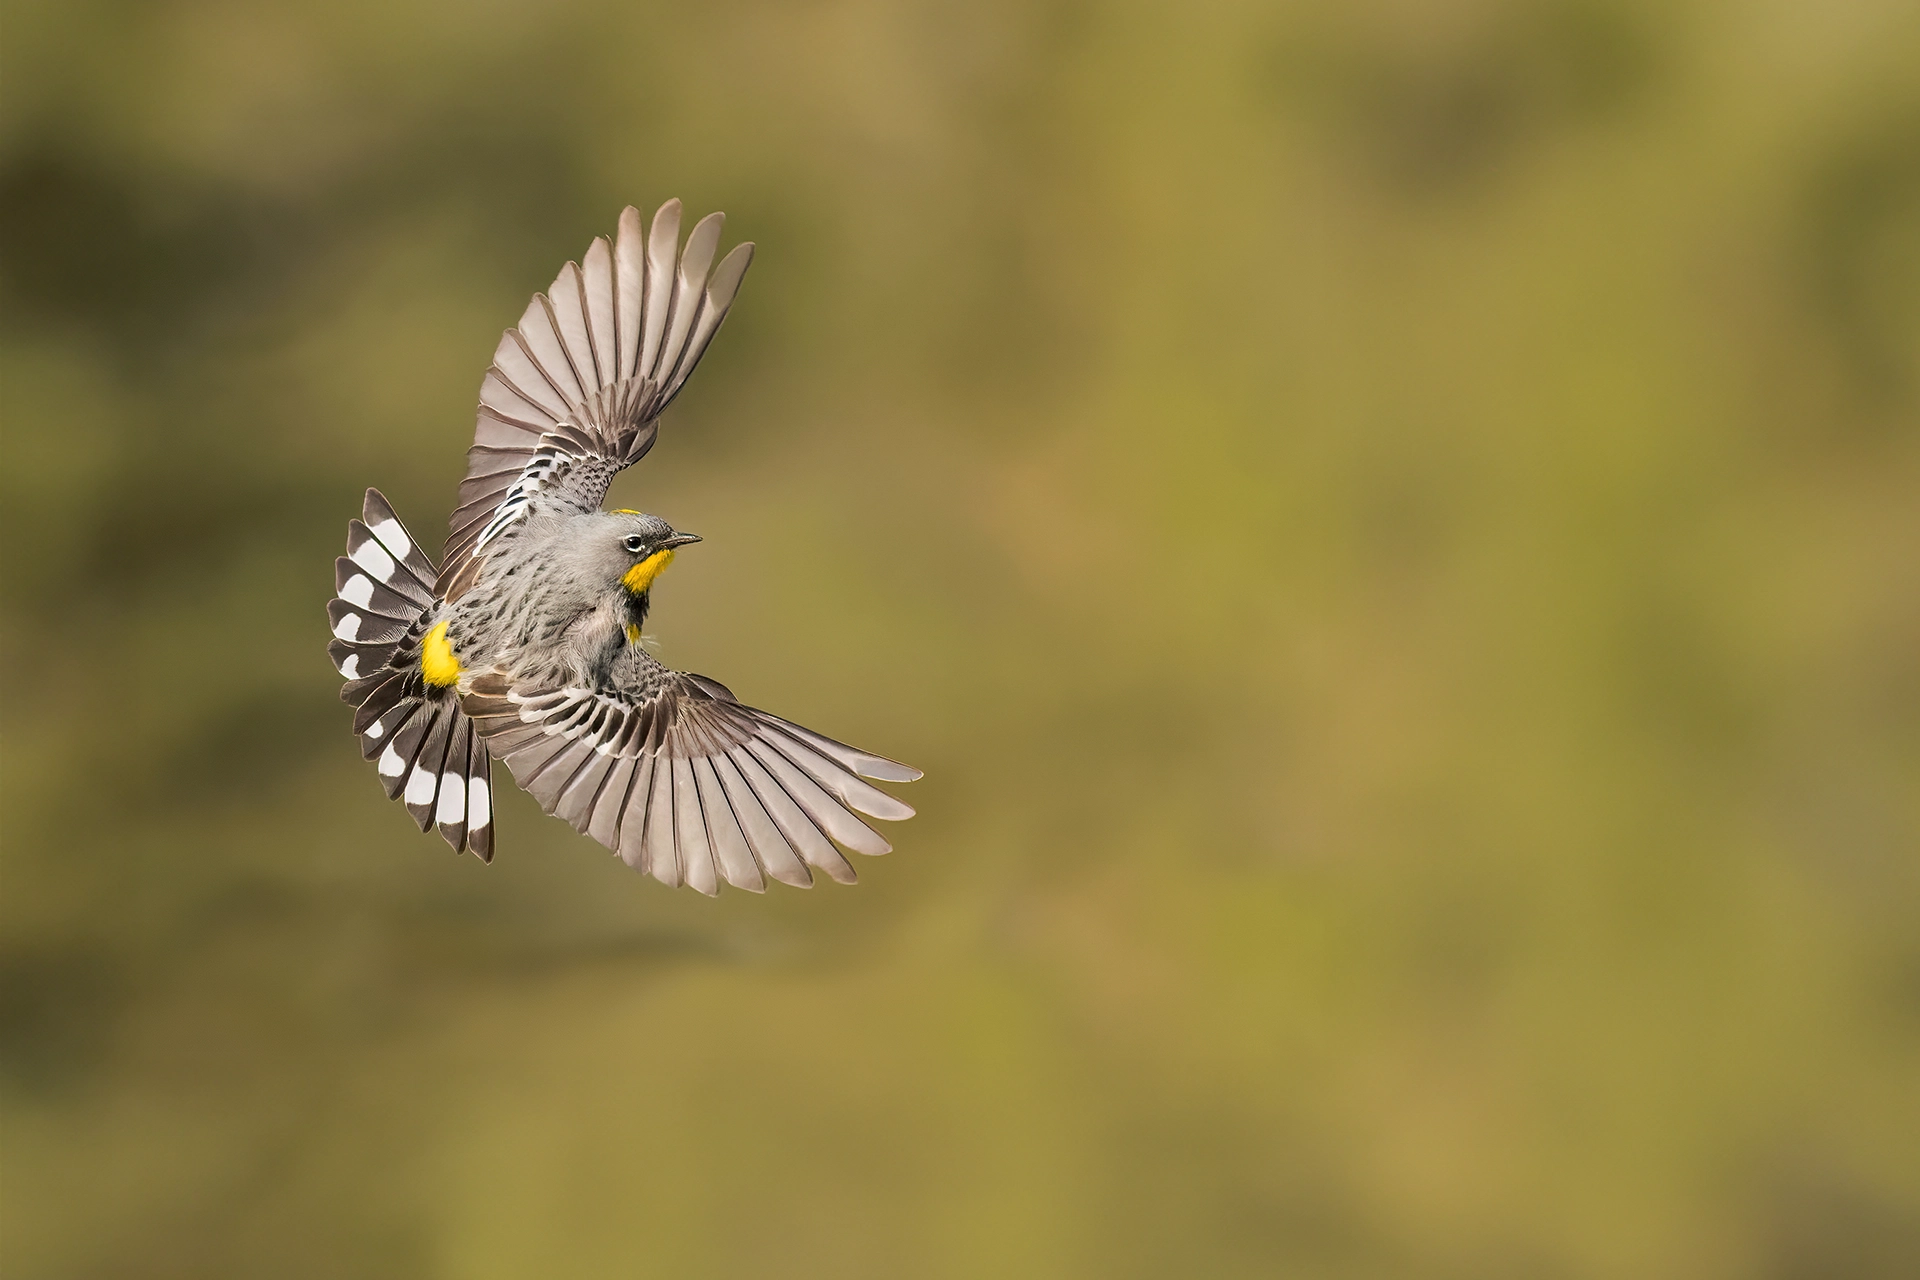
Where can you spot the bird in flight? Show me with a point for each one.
(524, 643)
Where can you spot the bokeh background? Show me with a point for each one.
(1393, 529)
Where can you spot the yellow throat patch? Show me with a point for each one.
(641, 576)
(437, 662)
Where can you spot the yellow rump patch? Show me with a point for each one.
(641, 576)
(437, 662)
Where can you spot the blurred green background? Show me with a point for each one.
(1393, 529)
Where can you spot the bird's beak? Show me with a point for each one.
(678, 540)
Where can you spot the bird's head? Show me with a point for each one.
(640, 546)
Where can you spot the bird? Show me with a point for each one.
(524, 643)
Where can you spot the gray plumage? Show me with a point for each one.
(523, 644)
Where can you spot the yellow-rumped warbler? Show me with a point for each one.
(525, 643)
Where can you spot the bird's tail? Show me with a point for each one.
(429, 755)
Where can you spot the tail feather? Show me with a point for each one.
(450, 805)
(377, 695)
(376, 737)
(422, 791)
(397, 761)
(479, 819)
(353, 585)
(425, 750)
(377, 515)
(357, 625)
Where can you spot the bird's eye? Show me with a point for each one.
(634, 543)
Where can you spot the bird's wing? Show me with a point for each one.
(577, 387)
(684, 782)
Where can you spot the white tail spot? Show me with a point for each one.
(348, 628)
(390, 532)
(420, 786)
(359, 590)
(453, 799)
(391, 765)
(479, 803)
(351, 667)
(372, 557)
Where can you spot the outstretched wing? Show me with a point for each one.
(577, 387)
(685, 783)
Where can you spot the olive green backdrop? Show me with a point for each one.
(1392, 528)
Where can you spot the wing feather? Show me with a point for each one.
(854, 760)
(575, 804)
(682, 781)
(603, 823)
(538, 339)
(770, 848)
(826, 813)
(689, 288)
(662, 240)
(843, 786)
(802, 832)
(489, 465)
(662, 857)
(546, 783)
(596, 287)
(567, 309)
(516, 365)
(581, 380)
(527, 763)
(731, 851)
(501, 396)
(633, 819)
(690, 831)
(721, 288)
(629, 289)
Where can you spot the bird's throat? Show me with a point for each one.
(641, 576)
